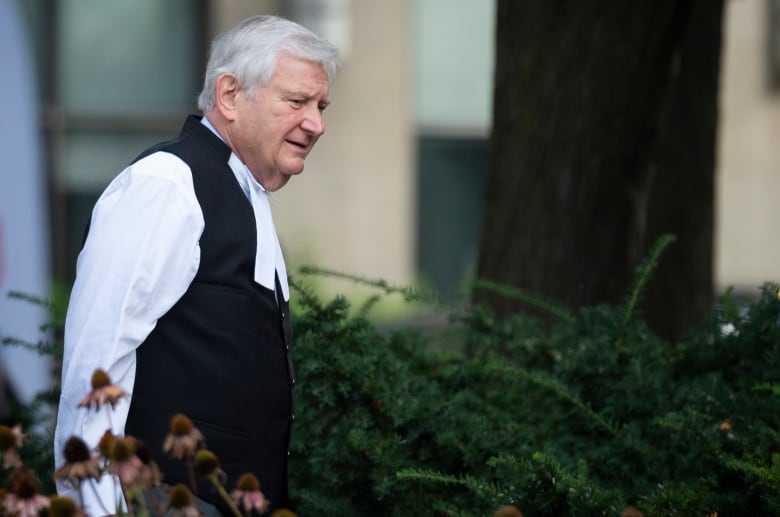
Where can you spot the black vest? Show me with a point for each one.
(221, 354)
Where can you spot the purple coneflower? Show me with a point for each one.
(247, 494)
(207, 465)
(183, 438)
(11, 438)
(180, 503)
(103, 392)
(79, 463)
(105, 444)
(63, 506)
(150, 473)
(123, 462)
(508, 510)
(24, 500)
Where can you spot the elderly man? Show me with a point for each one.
(181, 291)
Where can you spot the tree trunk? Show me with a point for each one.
(603, 138)
(682, 197)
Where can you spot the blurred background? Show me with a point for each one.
(394, 189)
(391, 191)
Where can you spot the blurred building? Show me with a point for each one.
(394, 189)
(406, 132)
(748, 181)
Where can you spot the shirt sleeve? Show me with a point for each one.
(140, 256)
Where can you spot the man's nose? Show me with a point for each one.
(313, 122)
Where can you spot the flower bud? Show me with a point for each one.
(206, 462)
(62, 506)
(122, 449)
(180, 497)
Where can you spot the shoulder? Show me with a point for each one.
(163, 165)
(156, 188)
(157, 170)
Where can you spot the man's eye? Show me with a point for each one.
(296, 102)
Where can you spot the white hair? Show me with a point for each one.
(251, 49)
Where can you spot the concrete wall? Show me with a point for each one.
(353, 208)
(747, 247)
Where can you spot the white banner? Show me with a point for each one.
(24, 234)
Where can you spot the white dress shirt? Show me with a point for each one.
(141, 256)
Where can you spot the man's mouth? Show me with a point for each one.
(300, 145)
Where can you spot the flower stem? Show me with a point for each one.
(191, 471)
(139, 494)
(153, 495)
(129, 502)
(224, 494)
(80, 486)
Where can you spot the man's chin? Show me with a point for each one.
(293, 169)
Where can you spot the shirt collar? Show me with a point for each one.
(239, 168)
(206, 122)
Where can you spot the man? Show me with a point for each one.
(181, 291)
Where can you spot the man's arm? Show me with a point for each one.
(139, 258)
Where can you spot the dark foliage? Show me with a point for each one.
(585, 417)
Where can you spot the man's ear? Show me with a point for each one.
(227, 89)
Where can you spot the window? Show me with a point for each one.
(115, 77)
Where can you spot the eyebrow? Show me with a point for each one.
(300, 93)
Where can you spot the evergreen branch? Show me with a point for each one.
(515, 293)
(41, 347)
(560, 390)
(503, 461)
(37, 300)
(768, 475)
(643, 273)
(477, 486)
(51, 305)
(409, 294)
(773, 388)
(364, 310)
(326, 504)
(306, 294)
(575, 482)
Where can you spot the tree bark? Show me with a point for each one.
(682, 196)
(603, 138)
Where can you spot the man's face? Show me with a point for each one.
(278, 124)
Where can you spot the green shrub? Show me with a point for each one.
(587, 416)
